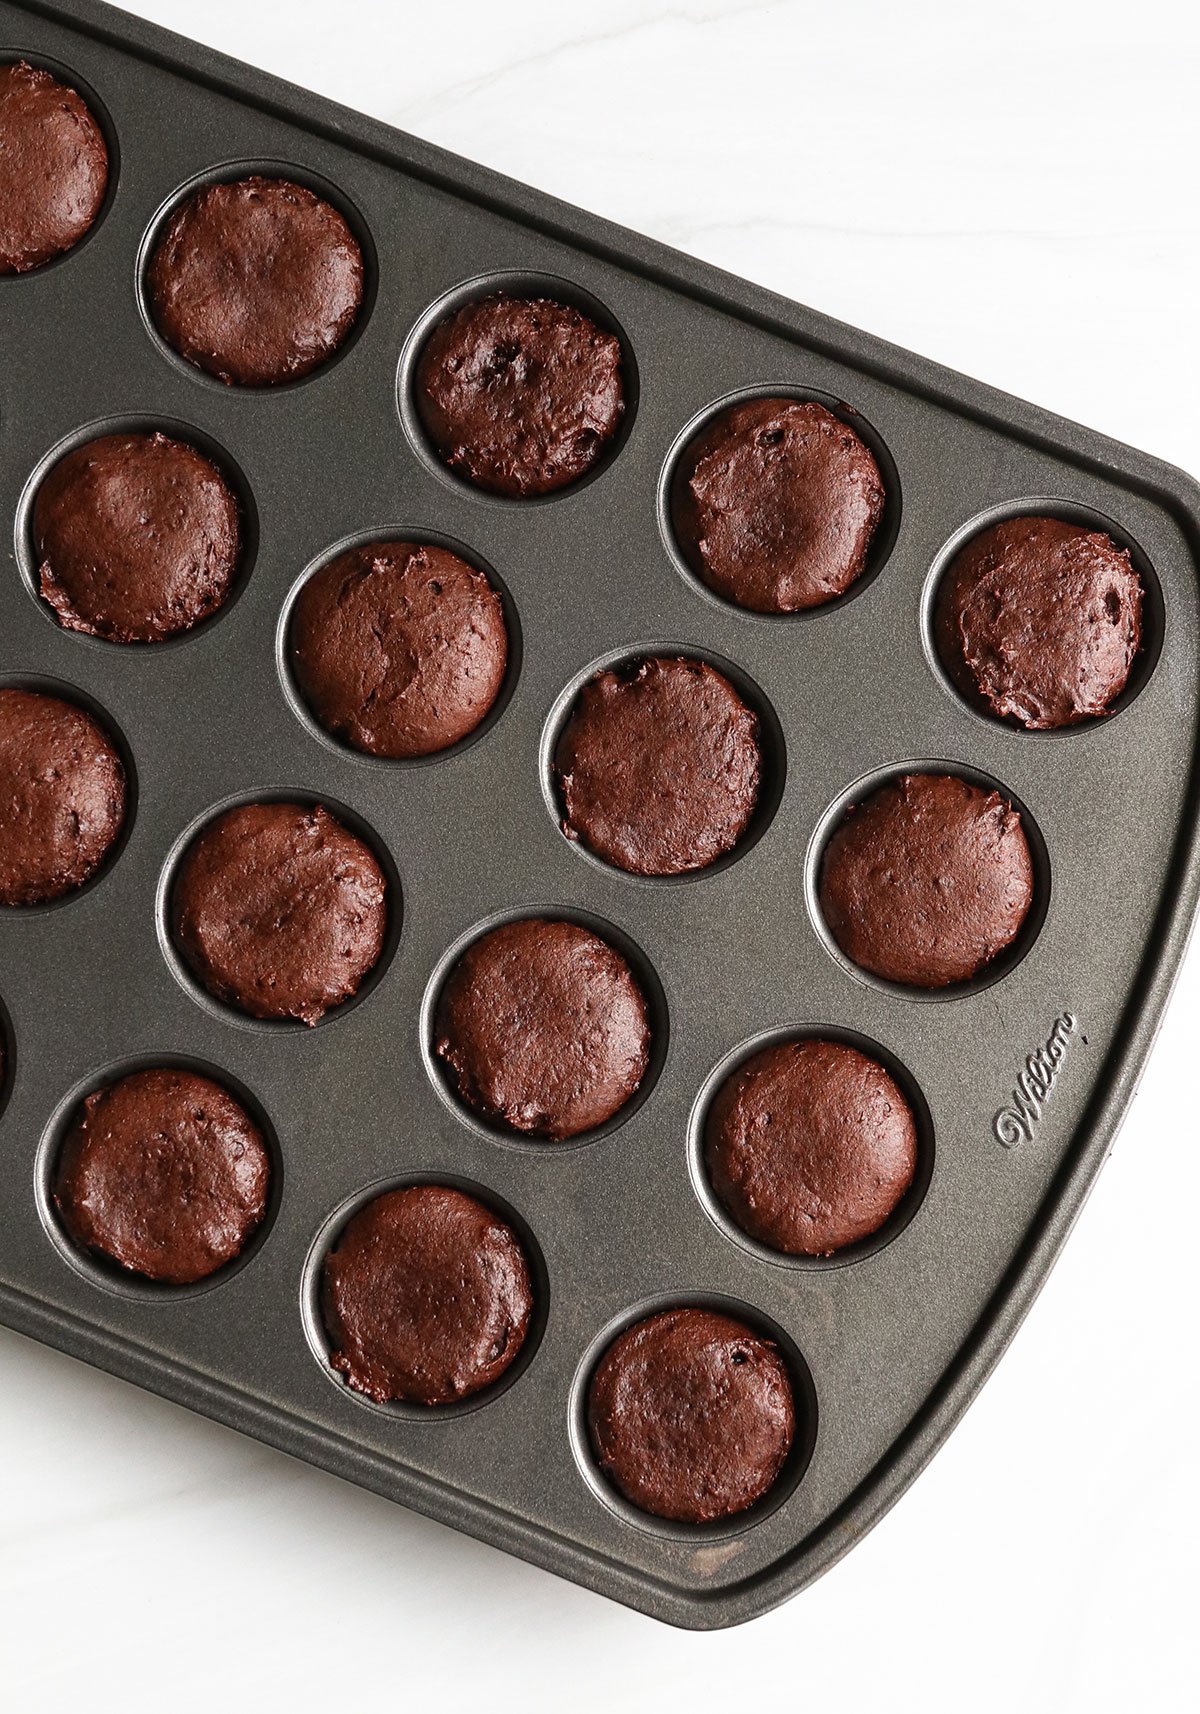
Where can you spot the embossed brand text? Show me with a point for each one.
(1016, 1123)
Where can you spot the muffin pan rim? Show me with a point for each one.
(1147, 482)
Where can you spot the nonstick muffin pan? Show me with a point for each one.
(1019, 1079)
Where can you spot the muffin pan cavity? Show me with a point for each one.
(771, 743)
(1153, 615)
(96, 1269)
(680, 460)
(67, 75)
(28, 558)
(697, 1137)
(166, 909)
(516, 283)
(695, 1536)
(231, 172)
(644, 975)
(285, 646)
(314, 1313)
(1017, 1078)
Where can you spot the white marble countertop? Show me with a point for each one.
(1011, 190)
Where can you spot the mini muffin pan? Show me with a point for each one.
(1019, 1079)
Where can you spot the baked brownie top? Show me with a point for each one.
(62, 797)
(692, 1415)
(399, 649)
(810, 1145)
(928, 880)
(138, 538)
(257, 281)
(520, 395)
(427, 1296)
(1040, 621)
(778, 503)
(280, 910)
(659, 766)
(164, 1174)
(544, 1028)
(53, 167)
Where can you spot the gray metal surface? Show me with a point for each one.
(893, 1342)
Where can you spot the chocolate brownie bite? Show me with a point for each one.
(520, 395)
(810, 1146)
(258, 281)
(53, 167)
(659, 766)
(1039, 622)
(928, 880)
(777, 504)
(62, 797)
(164, 1175)
(426, 1297)
(138, 538)
(280, 910)
(543, 1028)
(692, 1415)
(399, 648)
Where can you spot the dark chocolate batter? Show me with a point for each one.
(544, 1028)
(520, 395)
(426, 1297)
(53, 167)
(400, 649)
(165, 1174)
(692, 1415)
(779, 505)
(659, 766)
(62, 797)
(928, 880)
(810, 1146)
(258, 281)
(1039, 621)
(138, 538)
(280, 910)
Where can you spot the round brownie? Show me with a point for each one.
(62, 797)
(520, 395)
(659, 766)
(692, 1415)
(810, 1146)
(138, 538)
(426, 1297)
(399, 648)
(280, 910)
(1039, 621)
(928, 880)
(165, 1174)
(257, 282)
(53, 167)
(544, 1028)
(777, 505)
